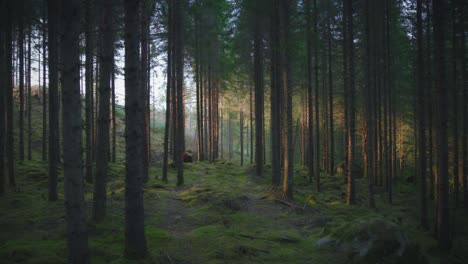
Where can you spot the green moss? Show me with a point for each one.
(33, 251)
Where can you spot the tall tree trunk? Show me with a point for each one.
(331, 147)
(29, 102)
(421, 118)
(351, 92)
(259, 94)
(9, 96)
(114, 123)
(317, 122)
(440, 9)
(464, 82)
(21, 87)
(44, 92)
(454, 82)
(135, 242)
(310, 92)
(275, 101)
(106, 43)
(179, 63)
(241, 133)
(168, 90)
(286, 98)
(144, 35)
(89, 49)
(370, 150)
(54, 11)
(3, 88)
(75, 208)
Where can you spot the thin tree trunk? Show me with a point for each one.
(44, 92)
(3, 84)
(54, 11)
(29, 102)
(317, 122)
(21, 88)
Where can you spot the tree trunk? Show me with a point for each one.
(54, 11)
(44, 93)
(168, 91)
(106, 43)
(89, 47)
(440, 9)
(75, 208)
(259, 95)
(135, 242)
(144, 34)
(29, 102)
(421, 118)
(21, 88)
(275, 101)
(179, 63)
(3, 84)
(317, 122)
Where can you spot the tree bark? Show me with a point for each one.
(75, 208)
(135, 242)
(54, 11)
(421, 118)
(106, 44)
(259, 95)
(440, 9)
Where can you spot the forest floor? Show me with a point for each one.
(224, 214)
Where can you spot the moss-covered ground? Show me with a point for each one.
(223, 214)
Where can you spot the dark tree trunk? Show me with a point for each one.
(44, 93)
(29, 102)
(54, 11)
(440, 9)
(421, 118)
(310, 92)
(331, 147)
(317, 122)
(168, 90)
(3, 88)
(464, 82)
(21, 88)
(114, 125)
(144, 34)
(351, 92)
(370, 153)
(275, 101)
(241, 134)
(259, 94)
(135, 242)
(9, 97)
(179, 66)
(75, 208)
(106, 43)
(89, 48)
